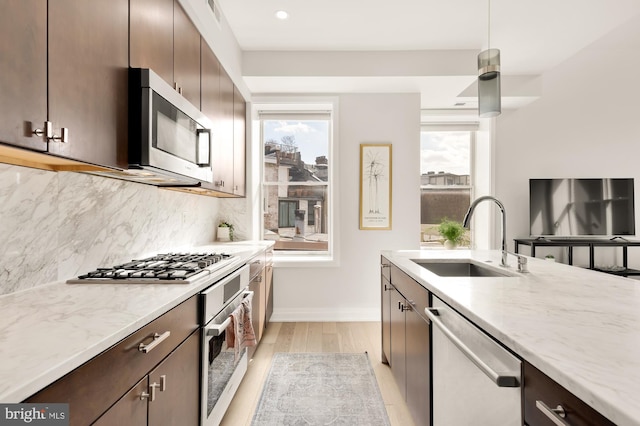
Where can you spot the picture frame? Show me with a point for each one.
(375, 186)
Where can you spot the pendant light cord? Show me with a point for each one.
(489, 26)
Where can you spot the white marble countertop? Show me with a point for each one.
(47, 331)
(580, 327)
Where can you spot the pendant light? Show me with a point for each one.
(489, 103)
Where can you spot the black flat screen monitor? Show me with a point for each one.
(581, 207)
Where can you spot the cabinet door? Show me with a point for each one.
(152, 36)
(398, 341)
(23, 71)
(268, 293)
(386, 291)
(212, 108)
(88, 75)
(186, 55)
(256, 285)
(224, 129)
(418, 368)
(239, 142)
(177, 386)
(131, 409)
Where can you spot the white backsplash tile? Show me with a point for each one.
(55, 226)
(28, 250)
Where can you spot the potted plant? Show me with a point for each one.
(550, 258)
(452, 232)
(225, 231)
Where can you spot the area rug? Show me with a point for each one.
(320, 389)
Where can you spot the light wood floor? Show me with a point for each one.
(316, 337)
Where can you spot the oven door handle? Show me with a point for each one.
(217, 329)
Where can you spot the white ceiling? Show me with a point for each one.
(533, 36)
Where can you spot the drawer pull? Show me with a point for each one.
(163, 383)
(157, 339)
(556, 415)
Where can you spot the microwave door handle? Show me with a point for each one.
(203, 147)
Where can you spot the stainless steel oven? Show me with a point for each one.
(222, 368)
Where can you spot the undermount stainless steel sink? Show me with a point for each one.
(460, 269)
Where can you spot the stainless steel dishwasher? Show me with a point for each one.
(475, 380)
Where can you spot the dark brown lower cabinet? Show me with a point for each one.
(129, 410)
(542, 394)
(169, 394)
(398, 360)
(97, 387)
(408, 334)
(418, 368)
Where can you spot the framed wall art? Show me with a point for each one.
(375, 186)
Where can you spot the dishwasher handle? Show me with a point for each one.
(502, 380)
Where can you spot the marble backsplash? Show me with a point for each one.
(57, 225)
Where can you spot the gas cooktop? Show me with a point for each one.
(172, 268)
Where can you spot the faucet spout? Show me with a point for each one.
(472, 207)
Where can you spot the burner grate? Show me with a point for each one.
(167, 266)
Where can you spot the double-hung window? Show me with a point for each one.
(297, 179)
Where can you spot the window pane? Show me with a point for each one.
(445, 181)
(301, 147)
(295, 183)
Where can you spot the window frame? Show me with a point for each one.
(303, 107)
(440, 122)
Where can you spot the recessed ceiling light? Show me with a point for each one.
(281, 14)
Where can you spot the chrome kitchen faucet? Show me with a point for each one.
(522, 261)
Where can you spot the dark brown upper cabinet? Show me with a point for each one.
(225, 106)
(217, 104)
(186, 55)
(164, 39)
(23, 72)
(215, 99)
(239, 142)
(88, 75)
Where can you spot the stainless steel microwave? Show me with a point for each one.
(168, 136)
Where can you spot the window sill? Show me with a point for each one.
(304, 260)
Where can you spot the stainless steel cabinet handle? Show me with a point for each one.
(498, 379)
(64, 135)
(151, 395)
(385, 265)
(404, 307)
(157, 339)
(46, 132)
(163, 383)
(556, 415)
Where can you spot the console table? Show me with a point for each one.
(583, 242)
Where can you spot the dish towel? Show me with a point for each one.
(240, 333)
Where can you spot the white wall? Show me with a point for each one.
(351, 291)
(586, 124)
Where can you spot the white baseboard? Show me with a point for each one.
(324, 315)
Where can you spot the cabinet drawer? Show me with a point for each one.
(96, 385)
(540, 387)
(256, 264)
(417, 295)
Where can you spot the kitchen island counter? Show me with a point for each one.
(580, 327)
(49, 330)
